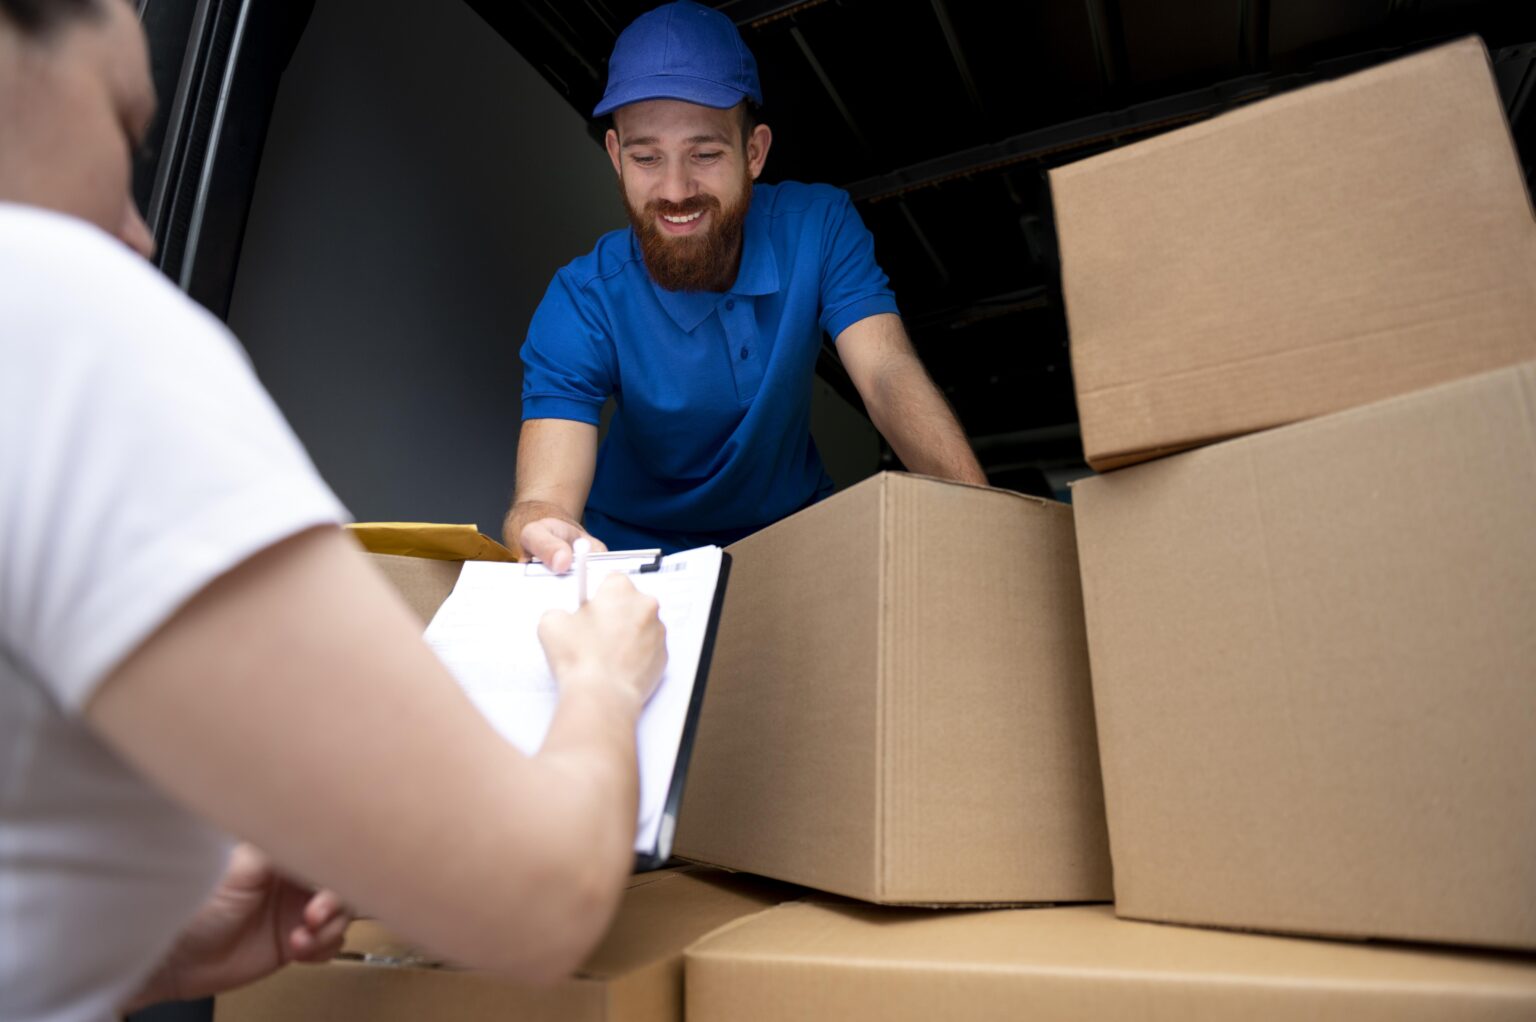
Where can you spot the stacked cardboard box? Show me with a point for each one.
(830, 963)
(1323, 249)
(899, 708)
(1313, 662)
(1315, 671)
(636, 973)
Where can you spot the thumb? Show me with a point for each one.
(248, 868)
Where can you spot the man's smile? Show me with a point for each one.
(687, 223)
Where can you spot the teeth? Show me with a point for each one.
(690, 218)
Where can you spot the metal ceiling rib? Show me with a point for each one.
(1108, 33)
(957, 52)
(1253, 33)
(830, 89)
(756, 13)
(1074, 137)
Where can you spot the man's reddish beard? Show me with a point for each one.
(703, 261)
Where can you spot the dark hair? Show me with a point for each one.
(39, 17)
(751, 117)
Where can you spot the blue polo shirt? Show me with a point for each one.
(711, 436)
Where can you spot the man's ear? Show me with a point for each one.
(757, 149)
(611, 141)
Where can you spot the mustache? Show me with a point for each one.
(692, 204)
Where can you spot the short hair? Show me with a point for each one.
(37, 18)
(751, 117)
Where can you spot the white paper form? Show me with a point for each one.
(486, 632)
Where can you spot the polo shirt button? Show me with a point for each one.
(744, 353)
(730, 303)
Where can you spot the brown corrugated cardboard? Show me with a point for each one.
(1314, 667)
(898, 707)
(424, 582)
(635, 974)
(821, 963)
(1326, 248)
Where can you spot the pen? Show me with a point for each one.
(582, 547)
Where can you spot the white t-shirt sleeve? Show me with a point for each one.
(140, 459)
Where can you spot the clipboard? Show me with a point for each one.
(658, 855)
(485, 632)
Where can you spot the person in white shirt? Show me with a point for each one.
(191, 648)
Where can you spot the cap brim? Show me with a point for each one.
(679, 87)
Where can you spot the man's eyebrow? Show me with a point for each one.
(705, 139)
(642, 140)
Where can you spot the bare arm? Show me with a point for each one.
(293, 703)
(903, 402)
(556, 459)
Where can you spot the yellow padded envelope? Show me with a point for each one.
(429, 539)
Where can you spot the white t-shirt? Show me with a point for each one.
(139, 460)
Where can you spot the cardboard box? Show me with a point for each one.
(1323, 249)
(899, 707)
(635, 974)
(424, 582)
(1314, 666)
(821, 963)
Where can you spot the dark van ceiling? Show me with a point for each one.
(942, 116)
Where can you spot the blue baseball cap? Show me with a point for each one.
(684, 51)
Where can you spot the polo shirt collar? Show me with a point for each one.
(757, 275)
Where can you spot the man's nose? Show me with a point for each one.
(677, 183)
(135, 233)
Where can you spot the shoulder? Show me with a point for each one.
(68, 285)
(612, 256)
(797, 199)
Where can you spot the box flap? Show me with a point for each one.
(659, 920)
(634, 974)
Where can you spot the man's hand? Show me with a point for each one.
(555, 462)
(615, 639)
(254, 922)
(550, 539)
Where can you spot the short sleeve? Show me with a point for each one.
(568, 359)
(140, 459)
(853, 287)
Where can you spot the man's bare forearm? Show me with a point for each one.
(921, 428)
(905, 406)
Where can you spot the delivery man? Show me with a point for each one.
(703, 320)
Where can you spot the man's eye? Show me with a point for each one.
(707, 157)
(645, 161)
